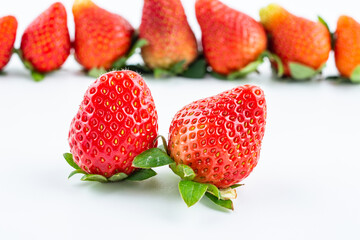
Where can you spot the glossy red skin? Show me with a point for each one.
(165, 27)
(101, 37)
(231, 39)
(8, 27)
(46, 41)
(220, 137)
(117, 120)
(347, 45)
(299, 40)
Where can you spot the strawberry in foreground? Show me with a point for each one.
(347, 48)
(302, 45)
(103, 40)
(45, 44)
(214, 143)
(233, 47)
(117, 120)
(8, 27)
(171, 43)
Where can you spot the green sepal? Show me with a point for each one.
(251, 67)
(218, 75)
(174, 70)
(154, 157)
(196, 70)
(94, 178)
(332, 35)
(117, 177)
(236, 186)
(139, 68)
(183, 171)
(228, 204)
(275, 58)
(191, 192)
(142, 174)
(70, 160)
(96, 72)
(37, 76)
(162, 148)
(121, 62)
(355, 75)
(76, 171)
(301, 72)
(214, 190)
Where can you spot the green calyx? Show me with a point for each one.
(36, 76)
(139, 175)
(252, 67)
(190, 191)
(332, 35)
(302, 72)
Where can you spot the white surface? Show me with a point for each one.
(306, 185)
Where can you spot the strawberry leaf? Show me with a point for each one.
(96, 72)
(94, 178)
(222, 203)
(178, 67)
(117, 177)
(183, 171)
(160, 73)
(251, 67)
(301, 72)
(332, 35)
(77, 171)
(355, 75)
(154, 157)
(275, 58)
(69, 159)
(141, 174)
(196, 70)
(213, 190)
(140, 42)
(236, 185)
(191, 192)
(37, 76)
(218, 75)
(120, 63)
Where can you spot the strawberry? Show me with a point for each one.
(347, 47)
(231, 39)
(101, 37)
(45, 44)
(170, 38)
(8, 27)
(214, 143)
(301, 44)
(117, 120)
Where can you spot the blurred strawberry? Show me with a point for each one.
(302, 45)
(347, 48)
(8, 27)
(170, 39)
(45, 44)
(231, 39)
(101, 37)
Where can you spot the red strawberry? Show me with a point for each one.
(117, 120)
(45, 43)
(347, 46)
(101, 37)
(231, 39)
(220, 137)
(295, 39)
(8, 27)
(170, 38)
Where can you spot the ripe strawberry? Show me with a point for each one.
(101, 37)
(295, 39)
(347, 46)
(170, 38)
(45, 44)
(8, 27)
(231, 39)
(117, 120)
(220, 137)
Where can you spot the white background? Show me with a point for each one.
(306, 185)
